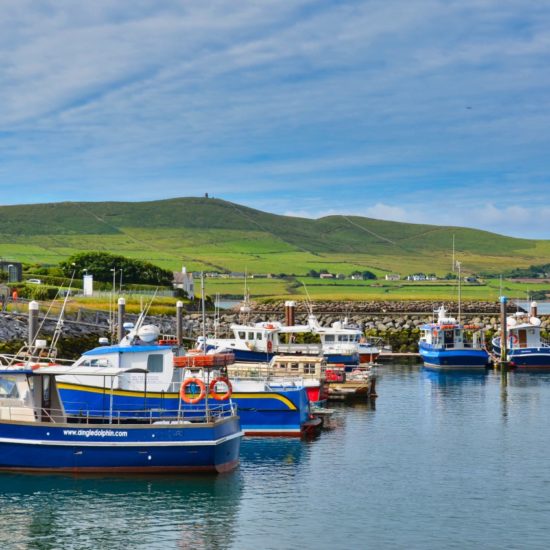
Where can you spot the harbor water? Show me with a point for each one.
(440, 461)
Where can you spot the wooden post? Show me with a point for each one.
(179, 331)
(503, 333)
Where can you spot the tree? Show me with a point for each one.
(100, 265)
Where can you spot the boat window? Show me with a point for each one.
(342, 338)
(259, 336)
(8, 387)
(294, 366)
(251, 336)
(309, 368)
(329, 337)
(242, 335)
(154, 363)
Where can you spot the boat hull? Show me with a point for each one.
(527, 358)
(453, 359)
(44, 447)
(281, 412)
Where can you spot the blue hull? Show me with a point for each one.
(279, 412)
(527, 358)
(453, 359)
(336, 358)
(120, 448)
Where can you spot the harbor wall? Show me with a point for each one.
(397, 323)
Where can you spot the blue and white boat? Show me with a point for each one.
(37, 434)
(260, 342)
(449, 345)
(264, 407)
(526, 349)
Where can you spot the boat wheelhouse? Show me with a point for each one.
(449, 345)
(307, 370)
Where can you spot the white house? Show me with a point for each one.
(392, 277)
(185, 281)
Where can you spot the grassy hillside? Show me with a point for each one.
(212, 234)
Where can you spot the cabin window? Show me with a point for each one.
(309, 368)
(242, 335)
(8, 388)
(259, 336)
(294, 366)
(342, 338)
(329, 337)
(154, 363)
(251, 336)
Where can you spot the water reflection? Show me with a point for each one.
(50, 512)
(454, 381)
(271, 453)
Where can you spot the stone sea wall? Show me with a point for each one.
(396, 323)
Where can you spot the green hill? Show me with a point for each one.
(212, 234)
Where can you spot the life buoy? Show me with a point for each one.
(220, 396)
(269, 326)
(188, 382)
(513, 339)
(269, 346)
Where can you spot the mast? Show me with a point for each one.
(458, 265)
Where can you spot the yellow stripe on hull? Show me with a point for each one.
(174, 395)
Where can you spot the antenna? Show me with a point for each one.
(308, 301)
(453, 252)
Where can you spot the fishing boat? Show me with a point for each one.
(449, 345)
(260, 342)
(526, 349)
(38, 434)
(265, 407)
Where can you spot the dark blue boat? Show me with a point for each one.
(444, 346)
(525, 347)
(37, 435)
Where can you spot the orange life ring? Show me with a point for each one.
(269, 326)
(269, 346)
(514, 339)
(217, 396)
(187, 382)
(435, 333)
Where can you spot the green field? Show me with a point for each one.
(214, 235)
(322, 289)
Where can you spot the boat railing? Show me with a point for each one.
(462, 345)
(306, 349)
(190, 413)
(268, 371)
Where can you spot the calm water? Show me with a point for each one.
(441, 462)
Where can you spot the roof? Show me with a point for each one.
(87, 371)
(102, 350)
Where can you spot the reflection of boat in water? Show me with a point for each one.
(438, 378)
(266, 453)
(199, 511)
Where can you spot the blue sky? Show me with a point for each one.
(429, 111)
